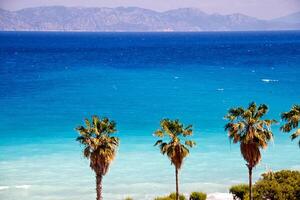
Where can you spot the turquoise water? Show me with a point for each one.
(49, 82)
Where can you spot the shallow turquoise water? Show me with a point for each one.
(49, 82)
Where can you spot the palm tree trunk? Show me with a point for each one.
(177, 190)
(99, 186)
(250, 182)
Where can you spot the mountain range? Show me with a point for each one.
(60, 18)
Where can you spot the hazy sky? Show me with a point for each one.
(264, 9)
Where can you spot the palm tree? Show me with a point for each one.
(253, 133)
(175, 150)
(292, 119)
(99, 146)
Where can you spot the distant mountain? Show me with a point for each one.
(59, 18)
(292, 18)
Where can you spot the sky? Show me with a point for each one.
(263, 9)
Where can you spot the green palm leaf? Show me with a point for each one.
(174, 148)
(292, 119)
(99, 146)
(247, 127)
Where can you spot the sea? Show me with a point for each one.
(51, 81)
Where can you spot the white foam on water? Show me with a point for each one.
(23, 186)
(219, 196)
(176, 77)
(4, 187)
(220, 89)
(268, 80)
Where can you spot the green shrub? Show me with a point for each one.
(239, 191)
(281, 185)
(163, 198)
(198, 196)
(172, 196)
(128, 198)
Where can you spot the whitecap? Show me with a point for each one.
(22, 186)
(4, 187)
(220, 89)
(176, 77)
(268, 80)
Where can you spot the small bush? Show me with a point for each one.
(163, 198)
(198, 196)
(281, 185)
(128, 198)
(172, 196)
(239, 191)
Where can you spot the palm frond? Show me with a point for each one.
(190, 143)
(292, 119)
(295, 134)
(174, 149)
(159, 133)
(261, 111)
(247, 127)
(234, 113)
(158, 142)
(99, 146)
(187, 131)
(87, 123)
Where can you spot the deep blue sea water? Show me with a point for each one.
(50, 82)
